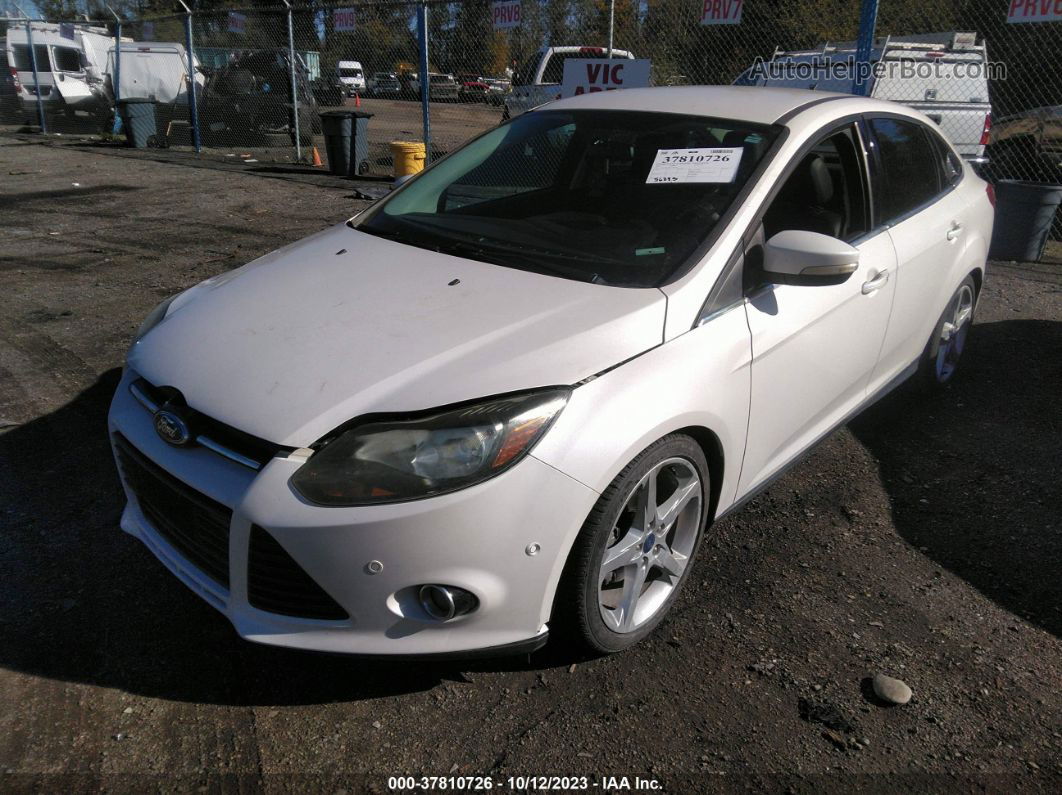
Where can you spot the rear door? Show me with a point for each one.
(20, 56)
(914, 196)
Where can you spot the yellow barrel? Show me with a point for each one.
(408, 157)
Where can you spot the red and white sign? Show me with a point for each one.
(237, 22)
(721, 12)
(343, 20)
(1035, 11)
(590, 75)
(505, 14)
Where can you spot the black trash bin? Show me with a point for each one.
(1024, 213)
(139, 120)
(346, 134)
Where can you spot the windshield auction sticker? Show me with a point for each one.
(694, 165)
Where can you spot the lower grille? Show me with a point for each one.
(195, 525)
(277, 584)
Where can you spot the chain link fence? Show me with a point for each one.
(263, 76)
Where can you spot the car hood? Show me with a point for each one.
(342, 324)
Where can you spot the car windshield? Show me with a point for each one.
(613, 197)
(345, 72)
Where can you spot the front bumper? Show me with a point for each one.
(475, 539)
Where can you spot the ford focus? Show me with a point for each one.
(509, 399)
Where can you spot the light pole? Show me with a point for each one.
(611, 24)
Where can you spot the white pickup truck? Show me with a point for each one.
(943, 75)
(539, 80)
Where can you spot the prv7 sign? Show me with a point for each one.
(343, 20)
(721, 12)
(1035, 11)
(505, 14)
(590, 75)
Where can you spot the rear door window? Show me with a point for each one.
(23, 63)
(950, 164)
(910, 167)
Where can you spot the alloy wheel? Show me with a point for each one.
(650, 545)
(953, 333)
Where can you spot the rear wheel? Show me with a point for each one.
(940, 359)
(636, 548)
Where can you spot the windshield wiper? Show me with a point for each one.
(504, 255)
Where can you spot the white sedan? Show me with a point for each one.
(509, 398)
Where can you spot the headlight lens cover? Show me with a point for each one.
(154, 317)
(396, 460)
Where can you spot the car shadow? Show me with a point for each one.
(84, 602)
(87, 603)
(972, 471)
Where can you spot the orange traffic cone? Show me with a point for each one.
(317, 157)
(357, 100)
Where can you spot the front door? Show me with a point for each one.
(814, 347)
(71, 79)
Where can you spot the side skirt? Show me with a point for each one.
(882, 391)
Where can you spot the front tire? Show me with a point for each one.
(940, 360)
(635, 549)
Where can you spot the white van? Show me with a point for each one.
(154, 70)
(71, 68)
(539, 80)
(943, 75)
(351, 75)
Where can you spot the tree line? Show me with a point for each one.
(669, 32)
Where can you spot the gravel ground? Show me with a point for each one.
(923, 541)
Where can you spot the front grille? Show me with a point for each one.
(195, 525)
(277, 584)
(243, 444)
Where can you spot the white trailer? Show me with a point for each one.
(153, 70)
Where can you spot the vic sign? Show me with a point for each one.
(589, 75)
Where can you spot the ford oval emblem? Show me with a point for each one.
(172, 428)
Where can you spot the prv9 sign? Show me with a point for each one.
(237, 22)
(505, 14)
(343, 20)
(590, 75)
(721, 12)
(1035, 11)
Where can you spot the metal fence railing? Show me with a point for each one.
(251, 83)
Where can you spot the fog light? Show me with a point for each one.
(444, 602)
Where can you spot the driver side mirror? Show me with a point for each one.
(805, 258)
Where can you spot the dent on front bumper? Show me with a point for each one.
(477, 539)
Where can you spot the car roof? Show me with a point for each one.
(761, 104)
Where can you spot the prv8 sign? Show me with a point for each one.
(721, 12)
(343, 20)
(505, 14)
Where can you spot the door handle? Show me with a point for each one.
(953, 233)
(876, 283)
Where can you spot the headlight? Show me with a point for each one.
(154, 317)
(396, 460)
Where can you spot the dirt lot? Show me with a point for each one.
(924, 541)
(392, 120)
